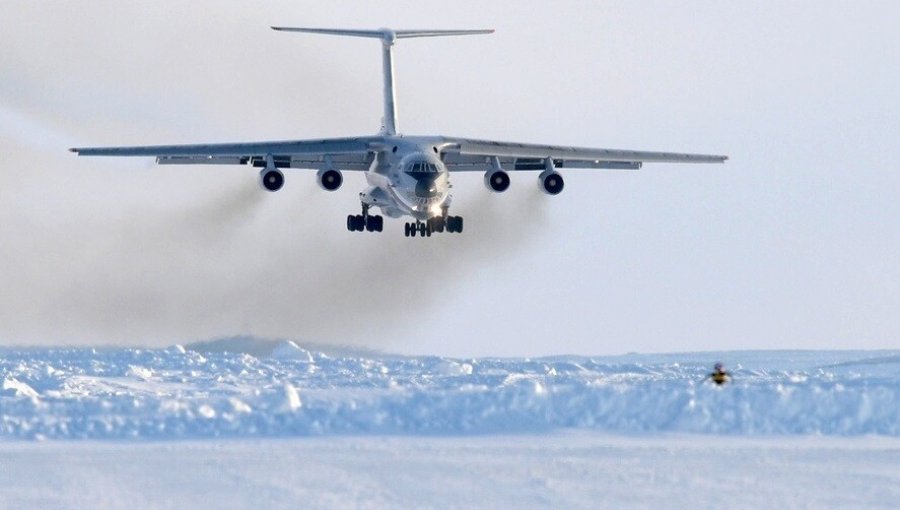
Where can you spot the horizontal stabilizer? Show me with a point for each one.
(385, 34)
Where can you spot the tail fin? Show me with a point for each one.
(388, 37)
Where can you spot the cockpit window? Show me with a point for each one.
(422, 166)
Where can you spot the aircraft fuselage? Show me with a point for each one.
(407, 177)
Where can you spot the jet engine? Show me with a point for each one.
(550, 182)
(271, 179)
(496, 180)
(329, 179)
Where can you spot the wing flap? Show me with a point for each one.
(467, 163)
(339, 161)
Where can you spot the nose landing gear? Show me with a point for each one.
(418, 227)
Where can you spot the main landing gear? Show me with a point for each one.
(365, 221)
(375, 223)
(438, 224)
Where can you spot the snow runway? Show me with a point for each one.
(570, 470)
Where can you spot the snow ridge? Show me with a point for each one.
(181, 393)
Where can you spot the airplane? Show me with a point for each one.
(406, 175)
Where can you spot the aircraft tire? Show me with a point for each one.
(455, 224)
(438, 224)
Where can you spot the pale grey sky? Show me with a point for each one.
(794, 243)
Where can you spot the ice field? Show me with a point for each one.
(285, 390)
(242, 422)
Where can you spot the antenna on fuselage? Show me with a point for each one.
(388, 38)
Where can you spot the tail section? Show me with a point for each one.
(388, 38)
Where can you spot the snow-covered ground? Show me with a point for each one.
(286, 390)
(571, 470)
(242, 423)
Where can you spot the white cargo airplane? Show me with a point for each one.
(407, 175)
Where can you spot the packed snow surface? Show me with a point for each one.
(285, 390)
(564, 470)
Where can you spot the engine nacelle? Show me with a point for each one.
(329, 179)
(271, 179)
(550, 182)
(496, 180)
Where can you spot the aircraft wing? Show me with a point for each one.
(463, 154)
(342, 153)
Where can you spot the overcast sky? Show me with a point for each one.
(794, 243)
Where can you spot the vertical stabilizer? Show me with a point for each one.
(388, 37)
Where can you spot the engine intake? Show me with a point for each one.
(496, 180)
(271, 179)
(550, 182)
(329, 179)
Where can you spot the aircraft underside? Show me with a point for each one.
(429, 207)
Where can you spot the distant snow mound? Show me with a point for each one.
(257, 347)
(451, 367)
(289, 350)
(14, 388)
(286, 390)
(139, 372)
(875, 360)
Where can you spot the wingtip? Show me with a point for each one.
(73, 149)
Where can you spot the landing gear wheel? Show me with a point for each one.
(356, 223)
(372, 223)
(438, 224)
(455, 224)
